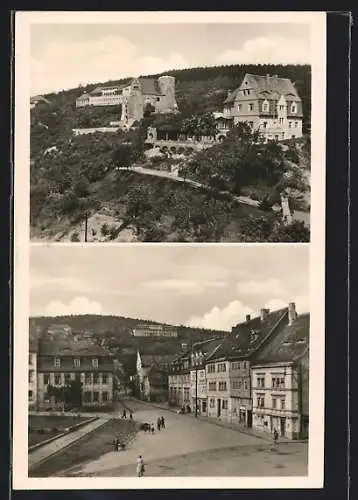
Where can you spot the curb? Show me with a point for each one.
(65, 433)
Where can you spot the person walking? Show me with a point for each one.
(162, 422)
(140, 466)
(124, 413)
(131, 415)
(159, 423)
(275, 437)
(152, 429)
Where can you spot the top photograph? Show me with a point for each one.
(170, 132)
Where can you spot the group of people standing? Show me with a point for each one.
(124, 414)
(151, 430)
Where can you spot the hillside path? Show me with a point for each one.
(244, 200)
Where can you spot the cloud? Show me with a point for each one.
(274, 49)
(301, 301)
(222, 319)
(255, 287)
(108, 58)
(182, 286)
(78, 305)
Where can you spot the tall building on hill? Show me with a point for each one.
(134, 97)
(267, 103)
(149, 330)
(61, 360)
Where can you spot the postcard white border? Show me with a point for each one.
(23, 21)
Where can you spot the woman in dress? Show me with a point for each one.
(140, 466)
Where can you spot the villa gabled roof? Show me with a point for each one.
(71, 347)
(270, 87)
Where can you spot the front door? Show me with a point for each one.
(283, 426)
(249, 418)
(219, 407)
(203, 407)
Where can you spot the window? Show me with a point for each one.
(261, 382)
(293, 108)
(264, 125)
(293, 137)
(57, 379)
(88, 378)
(236, 384)
(77, 362)
(211, 368)
(265, 107)
(221, 367)
(158, 99)
(46, 378)
(212, 386)
(245, 385)
(251, 107)
(104, 378)
(245, 365)
(274, 403)
(248, 91)
(289, 124)
(212, 403)
(281, 121)
(186, 393)
(235, 365)
(57, 362)
(278, 382)
(95, 362)
(281, 107)
(260, 401)
(95, 396)
(104, 396)
(283, 403)
(296, 124)
(30, 395)
(87, 397)
(239, 107)
(67, 378)
(30, 359)
(96, 378)
(31, 376)
(224, 404)
(222, 386)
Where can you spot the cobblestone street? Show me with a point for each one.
(191, 447)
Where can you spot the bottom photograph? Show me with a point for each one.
(179, 360)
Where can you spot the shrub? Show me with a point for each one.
(75, 237)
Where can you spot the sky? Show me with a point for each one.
(209, 286)
(66, 55)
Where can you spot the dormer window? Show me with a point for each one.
(57, 362)
(95, 362)
(293, 108)
(76, 362)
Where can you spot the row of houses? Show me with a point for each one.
(256, 377)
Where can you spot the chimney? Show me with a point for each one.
(292, 314)
(248, 317)
(264, 313)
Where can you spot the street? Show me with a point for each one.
(191, 447)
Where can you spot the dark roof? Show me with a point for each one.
(289, 344)
(70, 347)
(150, 86)
(268, 86)
(38, 98)
(248, 336)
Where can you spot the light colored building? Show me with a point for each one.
(32, 374)
(152, 373)
(134, 97)
(62, 360)
(38, 99)
(269, 104)
(150, 330)
(280, 375)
